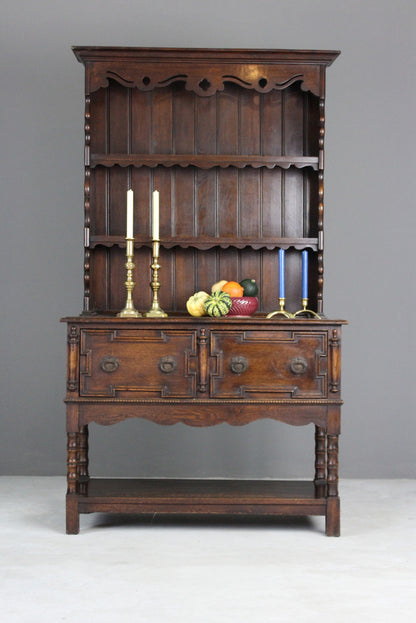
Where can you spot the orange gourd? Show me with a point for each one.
(233, 288)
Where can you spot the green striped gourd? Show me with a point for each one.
(218, 304)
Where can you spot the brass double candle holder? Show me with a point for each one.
(281, 311)
(305, 311)
(308, 313)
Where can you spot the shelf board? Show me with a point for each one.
(290, 497)
(208, 243)
(203, 161)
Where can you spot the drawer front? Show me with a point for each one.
(269, 364)
(147, 363)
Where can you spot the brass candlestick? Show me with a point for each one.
(281, 311)
(155, 311)
(129, 310)
(305, 311)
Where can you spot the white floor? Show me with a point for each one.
(124, 569)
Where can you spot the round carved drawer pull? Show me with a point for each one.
(238, 365)
(109, 364)
(298, 365)
(167, 365)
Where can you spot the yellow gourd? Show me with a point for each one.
(217, 287)
(195, 303)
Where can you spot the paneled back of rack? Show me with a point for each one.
(205, 201)
(218, 221)
(185, 271)
(201, 206)
(172, 120)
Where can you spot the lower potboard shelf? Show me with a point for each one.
(201, 496)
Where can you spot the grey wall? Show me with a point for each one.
(370, 224)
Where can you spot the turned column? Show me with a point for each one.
(320, 461)
(332, 452)
(83, 453)
(203, 361)
(72, 463)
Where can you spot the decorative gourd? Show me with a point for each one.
(233, 288)
(218, 286)
(218, 304)
(250, 287)
(195, 303)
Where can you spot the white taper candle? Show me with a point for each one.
(129, 232)
(155, 215)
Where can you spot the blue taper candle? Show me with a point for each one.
(281, 273)
(304, 274)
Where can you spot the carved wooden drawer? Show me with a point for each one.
(138, 363)
(268, 364)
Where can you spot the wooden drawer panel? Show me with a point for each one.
(268, 364)
(147, 363)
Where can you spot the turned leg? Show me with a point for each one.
(332, 451)
(320, 461)
(333, 503)
(83, 453)
(72, 463)
(72, 516)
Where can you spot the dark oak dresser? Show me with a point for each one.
(233, 140)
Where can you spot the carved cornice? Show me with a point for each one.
(202, 79)
(204, 71)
